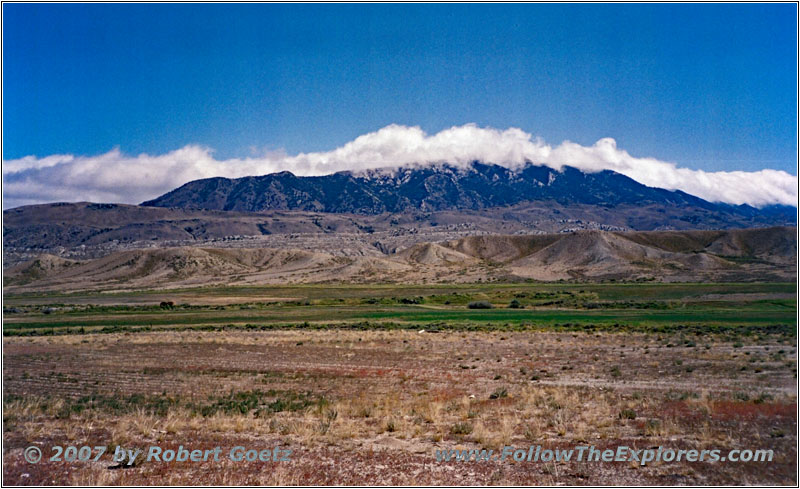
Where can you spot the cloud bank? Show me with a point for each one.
(120, 178)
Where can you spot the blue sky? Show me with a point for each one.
(705, 86)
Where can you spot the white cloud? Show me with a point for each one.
(116, 177)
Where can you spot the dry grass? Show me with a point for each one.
(391, 398)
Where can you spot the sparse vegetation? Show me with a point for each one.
(461, 429)
(499, 393)
(330, 382)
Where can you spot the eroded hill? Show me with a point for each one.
(767, 254)
(87, 230)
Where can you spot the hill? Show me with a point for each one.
(734, 255)
(87, 230)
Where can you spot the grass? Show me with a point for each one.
(608, 291)
(730, 331)
(358, 394)
(720, 314)
(255, 403)
(604, 307)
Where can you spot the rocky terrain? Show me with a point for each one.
(88, 230)
(413, 223)
(442, 187)
(734, 255)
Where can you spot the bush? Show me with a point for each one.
(499, 393)
(479, 305)
(514, 304)
(461, 429)
(411, 300)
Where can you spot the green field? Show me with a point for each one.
(746, 308)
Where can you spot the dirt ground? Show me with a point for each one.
(372, 407)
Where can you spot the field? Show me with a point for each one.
(365, 383)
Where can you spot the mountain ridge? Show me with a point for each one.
(370, 213)
(427, 188)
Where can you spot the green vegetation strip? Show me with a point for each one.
(609, 291)
(733, 331)
(754, 313)
(612, 307)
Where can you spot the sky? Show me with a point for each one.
(123, 102)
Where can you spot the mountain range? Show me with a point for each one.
(380, 223)
(437, 188)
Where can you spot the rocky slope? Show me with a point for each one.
(737, 255)
(438, 188)
(86, 230)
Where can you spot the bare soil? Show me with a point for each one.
(381, 402)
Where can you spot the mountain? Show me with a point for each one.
(428, 188)
(370, 213)
(767, 254)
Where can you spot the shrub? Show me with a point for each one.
(412, 300)
(514, 304)
(479, 305)
(777, 433)
(461, 429)
(627, 414)
(499, 393)
(762, 398)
